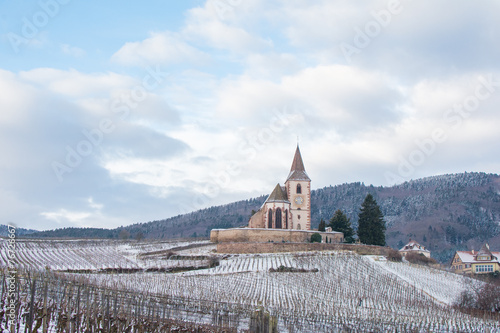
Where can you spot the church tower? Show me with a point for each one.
(298, 188)
(289, 206)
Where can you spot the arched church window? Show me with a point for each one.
(277, 221)
(298, 226)
(286, 218)
(299, 189)
(270, 219)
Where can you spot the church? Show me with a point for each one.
(289, 206)
(283, 222)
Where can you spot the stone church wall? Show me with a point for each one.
(258, 235)
(257, 220)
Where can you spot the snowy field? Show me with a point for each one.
(347, 287)
(82, 255)
(444, 287)
(332, 288)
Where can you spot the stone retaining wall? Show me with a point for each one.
(238, 248)
(260, 235)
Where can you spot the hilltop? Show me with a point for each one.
(445, 213)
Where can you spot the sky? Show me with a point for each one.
(118, 112)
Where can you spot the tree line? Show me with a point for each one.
(371, 224)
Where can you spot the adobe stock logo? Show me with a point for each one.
(31, 26)
(364, 36)
(120, 107)
(453, 118)
(248, 150)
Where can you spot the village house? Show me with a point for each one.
(414, 247)
(480, 262)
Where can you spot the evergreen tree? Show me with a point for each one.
(316, 238)
(322, 225)
(451, 235)
(340, 222)
(371, 224)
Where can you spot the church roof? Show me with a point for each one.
(277, 195)
(297, 171)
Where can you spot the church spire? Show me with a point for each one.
(297, 171)
(297, 164)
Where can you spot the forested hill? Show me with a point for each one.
(444, 213)
(6, 230)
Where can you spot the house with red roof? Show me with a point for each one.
(414, 247)
(480, 262)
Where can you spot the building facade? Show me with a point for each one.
(288, 206)
(414, 247)
(480, 262)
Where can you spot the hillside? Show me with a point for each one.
(444, 213)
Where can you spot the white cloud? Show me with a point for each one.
(160, 48)
(72, 51)
(94, 205)
(204, 26)
(245, 98)
(75, 84)
(355, 121)
(92, 216)
(271, 66)
(322, 24)
(418, 40)
(16, 98)
(346, 97)
(45, 121)
(64, 216)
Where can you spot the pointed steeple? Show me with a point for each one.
(297, 171)
(297, 164)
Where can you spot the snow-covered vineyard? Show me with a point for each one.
(347, 289)
(93, 255)
(301, 292)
